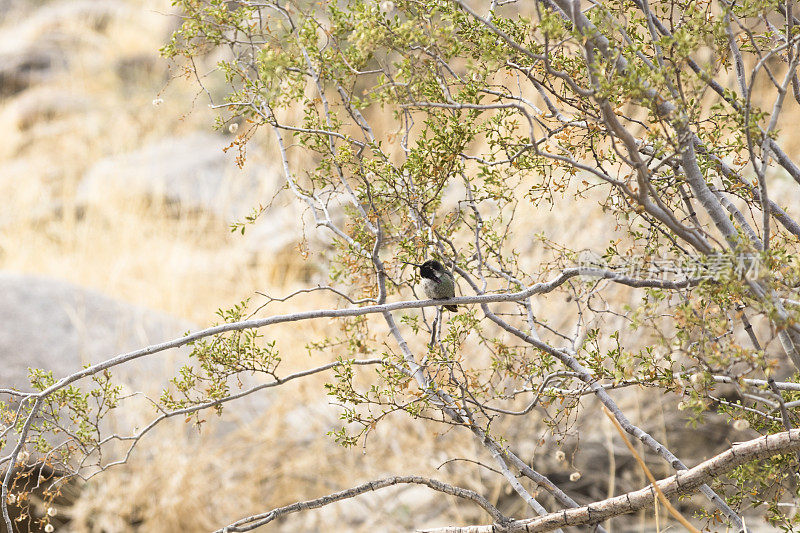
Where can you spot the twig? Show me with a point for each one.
(684, 482)
(255, 521)
(674, 512)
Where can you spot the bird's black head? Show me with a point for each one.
(428, 269)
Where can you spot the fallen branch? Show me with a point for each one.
(684, 482)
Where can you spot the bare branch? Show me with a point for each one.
(255, 521)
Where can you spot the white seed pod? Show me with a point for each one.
(575, 476)
(741, 425)
(560, 456)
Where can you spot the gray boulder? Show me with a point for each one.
(195, 172)
(53, 325)
(23, 68)
(57, 326)
(39, 41)
(192, 171)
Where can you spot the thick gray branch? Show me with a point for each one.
(684, 482)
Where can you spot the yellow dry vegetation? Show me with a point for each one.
(112, 95)
(101, 101)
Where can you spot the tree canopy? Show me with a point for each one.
(653, 137)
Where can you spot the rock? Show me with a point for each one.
(195, 173)
(32, 50)
(23, 68)
(54, 325)
(42, 104)
(133, 68)
(192, 171)
(51, 21)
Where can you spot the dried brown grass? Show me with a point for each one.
(189, 264)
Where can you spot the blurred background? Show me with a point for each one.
(118, 197)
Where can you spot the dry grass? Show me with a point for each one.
(139, 250)
(273, 450)
(189, 264)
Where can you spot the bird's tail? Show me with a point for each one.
(452, 308)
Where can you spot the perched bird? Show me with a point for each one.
(437, 282)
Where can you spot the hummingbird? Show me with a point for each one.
(437, 282)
